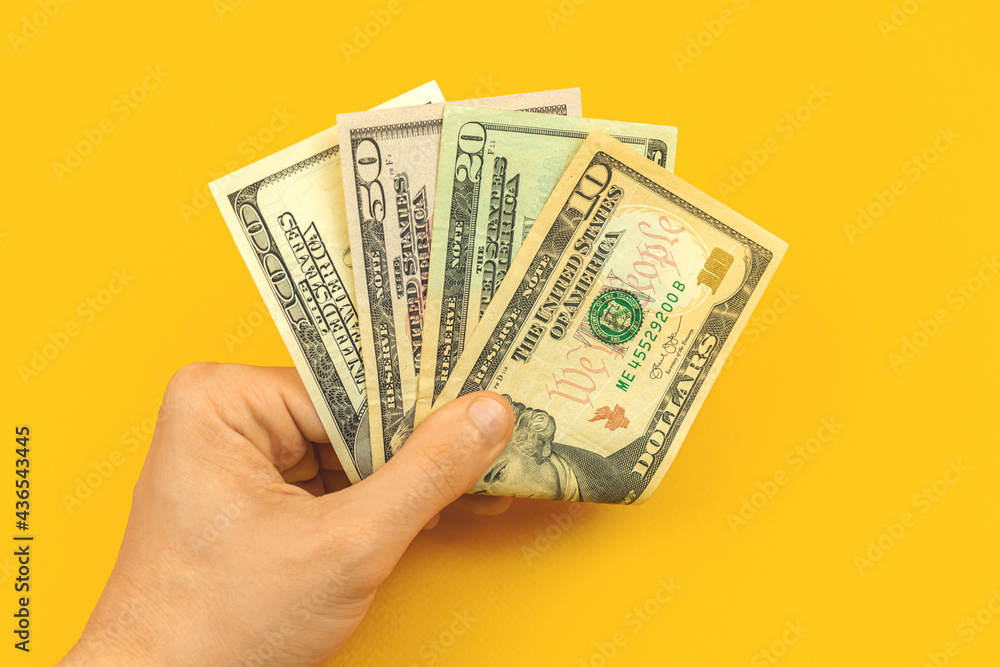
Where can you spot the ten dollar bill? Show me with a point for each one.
(611, 326)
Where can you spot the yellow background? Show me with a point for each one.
(826, 356)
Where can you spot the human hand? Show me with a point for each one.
(224, 561)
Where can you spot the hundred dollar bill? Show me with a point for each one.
(496, 170)
(611, 326)
(286, 214)
(389, 189)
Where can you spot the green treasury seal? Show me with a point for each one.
(615, 316)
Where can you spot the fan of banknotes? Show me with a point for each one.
(421, 251)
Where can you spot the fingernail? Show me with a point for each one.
(491, 417)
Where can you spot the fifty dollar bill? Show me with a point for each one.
(389, 182)
(286, 214)
(611, 326)
(496, 170)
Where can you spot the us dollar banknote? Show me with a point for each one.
(611, 326)
(286, 214)
(389, 184)
(496, 170)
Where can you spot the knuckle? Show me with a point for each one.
(189, 376)
(185, 391)
(193, 372)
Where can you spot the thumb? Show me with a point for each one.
(443, 457)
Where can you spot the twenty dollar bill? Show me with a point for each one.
(496, 171)
(611, 326)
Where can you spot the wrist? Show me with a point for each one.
(119, 635)
(90, 652)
